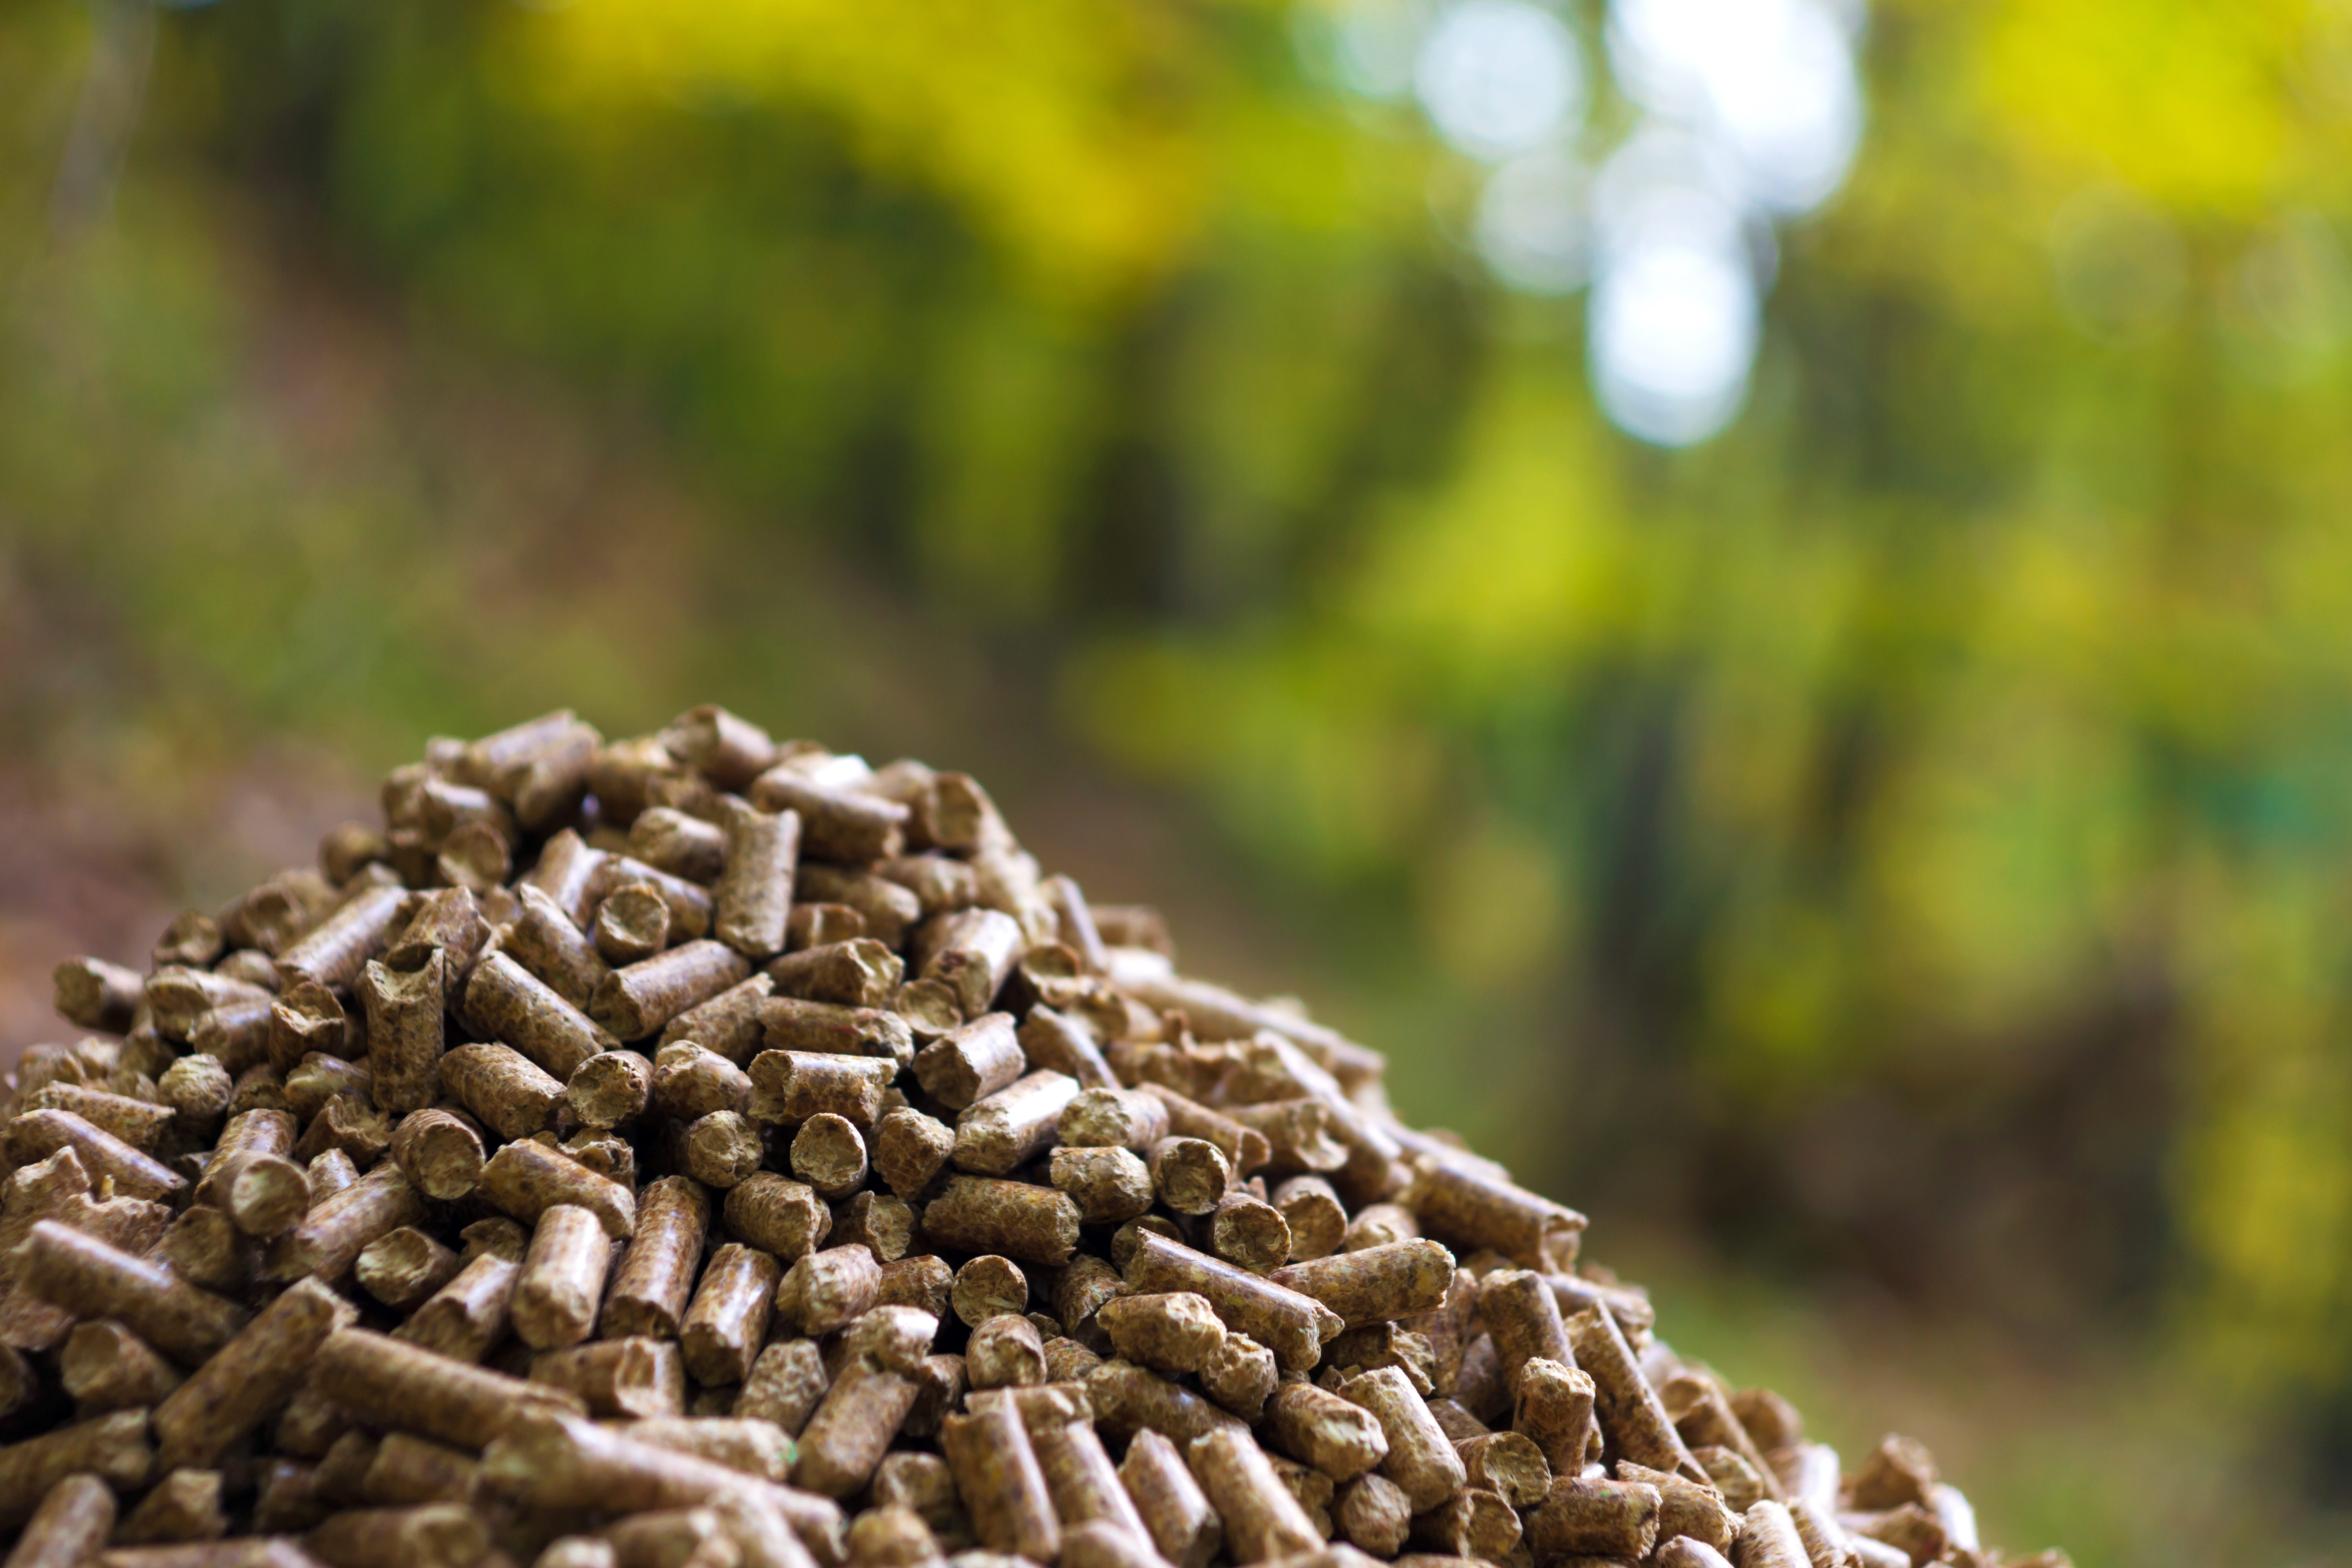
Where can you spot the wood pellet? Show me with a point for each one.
(706, 1150)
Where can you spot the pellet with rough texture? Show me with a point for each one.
(562, 1285)
(329, 1239)
(511, 1095)
(113, 1446)
(973, 1062)
(469, 1314)
(826, 1029)
(1177, 1512)
(856, 972)
(92, 1279)
(852, 1425)
(402, 1268)
(405, 1387)
(439, 1151)
(727, 1321)
(524, 1178)
(1292, 1325)
(636, 1001)
(71, 1525)
(790, 1087)
(544, 941)
(656, 1281)
(997, 1473)
(509, 1004)
(1261, 1519)
(1027, 1224)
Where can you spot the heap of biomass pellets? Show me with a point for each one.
(699, 1152)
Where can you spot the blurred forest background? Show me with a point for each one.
(1858, 799)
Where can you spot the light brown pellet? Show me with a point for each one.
(1470, 1523)
(328, 1240)
(405, 1387)
(1189, 1174)
(307, 1017)
(1508, 1463)
(1261, 1519)
(1292, 1325)
(1317, 1219)
(1554, 1408)
(35, 1135)
(690, 903)
(1318, 1427)
(816, 925)
(138, 1122)
(318, 1078)
(1595, 1518)
(790, 1087)
(910, 1150)
(89, 1279)
(754, 1448)
(989, 1287)
(939, 1386)
(406, 1030)
(468, 1315)
(1183, 1525)
(883, 1225)
(1012, 1126)
(690, 1081)
(730, 1022)
(856, 972)
(682, 845)
(636, 1376)
(892, 1536)
(777, 1215)
(1372, 1512)
(836, 825)
(1686, 1508)
(1083, 1483)
(636, 1001)
(330, 1171)
(970, 1063)
(997, 1473)
(1420, 1459)
(1520, 1311)
(105, 1367)
(509, 1004)
(1624, 1405)
(184, 1506)
(1129, 1398)
(112, 1446)
(1246, 1232)
(823, 1291)
(656, 1281)
(332, 953)
(402, 1268)
(439, 1151)
(1768, 1539)
(1379, 1283)
(611, 1088)
(71, 1524)
(727, 1322)
(1110, 1186)
(972, 950)
(632, 924)
(722, 1149)
(1005, 1351)
(522, 1179)
(786, 1383)
(852, 1425)
(1066, 1043)
(1026, 1224)
(1683, 1553)
(562, 1285)
(828, 1154)
(1240, 1374)
(545, 942)
(1174, 1334)
(502, 1087)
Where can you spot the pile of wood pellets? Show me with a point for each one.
(699, 1150)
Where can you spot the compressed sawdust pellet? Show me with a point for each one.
(780, 1113)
